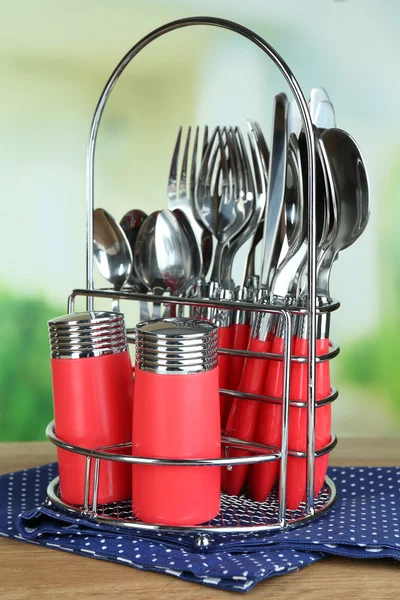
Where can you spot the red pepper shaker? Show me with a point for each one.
(176, 416)
(92, 396)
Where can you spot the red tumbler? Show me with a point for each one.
(176, 416)
(92, 396)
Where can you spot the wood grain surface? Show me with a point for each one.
(27, 571)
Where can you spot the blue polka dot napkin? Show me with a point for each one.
(363, 524)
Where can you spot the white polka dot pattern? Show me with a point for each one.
(363, 523)
(235, 511)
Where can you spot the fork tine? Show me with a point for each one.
(192, 181)
(203, 180)
(231, 160)
(240, 168)
(248, 172)
(183, 179)
(215, 177)
(173, 171)
(213, 160)
(205, 142)
(223, 160)
(256, 160)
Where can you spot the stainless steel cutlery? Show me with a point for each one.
(229, 189)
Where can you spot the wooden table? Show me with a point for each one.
(28, 571)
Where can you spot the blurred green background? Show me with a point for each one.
(55, 58)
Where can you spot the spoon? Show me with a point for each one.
(145, 257)
(197, 257)
(351, 183)
(350, 186)
(163, 254)
(131, 223)
(174, 253)
(112, 252)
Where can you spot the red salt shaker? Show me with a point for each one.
(92, 397)
(176, 416)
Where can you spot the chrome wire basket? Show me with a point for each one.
(239, 514)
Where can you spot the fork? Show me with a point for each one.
(247, 187)
(181, 192)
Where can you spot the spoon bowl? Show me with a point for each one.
(163, 254)
(197, 257)
(112, 251)
(352, 188)
(131, 223)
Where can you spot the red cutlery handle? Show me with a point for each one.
(224, 341)
(242, 420)
(240, 341)
(297, 467)
(263, 476)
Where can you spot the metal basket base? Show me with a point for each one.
(239, 514)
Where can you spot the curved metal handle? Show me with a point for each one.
(306, 118)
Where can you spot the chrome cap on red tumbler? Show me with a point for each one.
(87, 334)
(176, 345)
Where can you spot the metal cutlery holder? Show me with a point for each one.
(239, 515)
